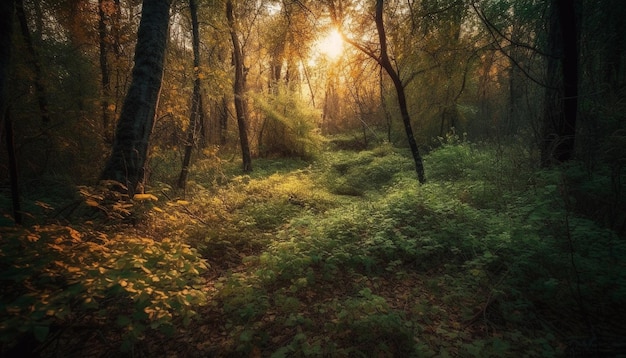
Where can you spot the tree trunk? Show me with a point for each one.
(397, 82)
(15, 188)
(104, 73)
(561, 103)
(239, 89)
(6, 31)
(195, 100)
(223, 120)
(130, 148)
(42, 101)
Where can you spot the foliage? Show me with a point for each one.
(347, 173)
(290, 126)
(505, 262)
(57, 276)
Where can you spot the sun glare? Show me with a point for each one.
(331, 45)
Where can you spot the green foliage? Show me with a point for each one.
(56, 275)
(470, 264)
(500, 258)
(290, 126)
(347, 173)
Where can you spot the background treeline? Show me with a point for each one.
(492, 70)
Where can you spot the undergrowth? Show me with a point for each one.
(346, 256)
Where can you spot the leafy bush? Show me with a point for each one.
(56, 275)
(353, 174)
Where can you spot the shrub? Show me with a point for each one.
(349, 174)
(57, 276)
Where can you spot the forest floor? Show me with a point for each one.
(345, 256)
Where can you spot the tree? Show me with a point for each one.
(561, 103)
(239, 88)
(130, 148)
(42, 101)
(106, 8)
(385, 62)
(6, 31)
(195, 100)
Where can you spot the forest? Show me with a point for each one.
(308, 178)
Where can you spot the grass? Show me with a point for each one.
(350, 256)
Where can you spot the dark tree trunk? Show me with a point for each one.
(195, 100)
(385, 63)
(42, 100)
(223, 120)
(15, 188)
(104, 73)
(130, 148)
(561, 100)
(6, 31)
(239, 89)
(516, 79)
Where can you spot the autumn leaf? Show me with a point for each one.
(141, 197)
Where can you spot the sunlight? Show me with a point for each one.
(331, 45)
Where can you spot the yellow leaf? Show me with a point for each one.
(182, 202)
(91, 202)
(111, 107)
(157, 209)
(145, 197)
(75, 234)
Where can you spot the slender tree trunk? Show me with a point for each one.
(6, 32)
(561, 102)
(130, 148)
(195, 100)
(104, 72)
(239, 89)
(569, 33)
(223, 120)
(15, 188)
(42, 100)
(384, 103)
(385, 63)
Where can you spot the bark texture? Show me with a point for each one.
(195, 100)
(386, 64)
(130, 148)
(239, 89)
